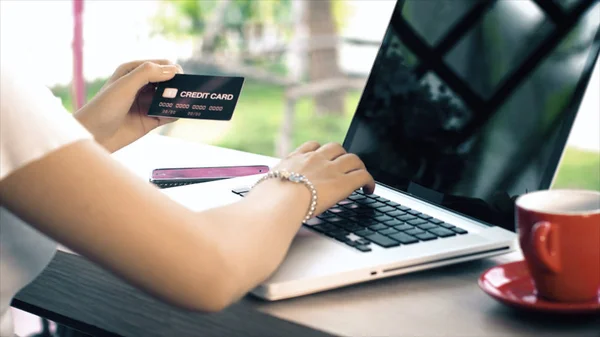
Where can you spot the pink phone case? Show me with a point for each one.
(171, 177)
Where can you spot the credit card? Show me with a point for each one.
(197, 97)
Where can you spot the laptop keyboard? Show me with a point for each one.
(362, 220)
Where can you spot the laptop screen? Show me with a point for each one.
(469, 103)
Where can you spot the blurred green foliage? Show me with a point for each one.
(190, 18)
(259, 114)
(579, 169)
(180, 19)
(64, 92)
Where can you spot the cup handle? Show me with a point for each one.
(545, 245)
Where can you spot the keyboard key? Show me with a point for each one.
(435, 221)
(346, 213)
(413, 212)
(424, 216)
(345, 202)
(393, 223)
(404, 238)
(362, 241)
(387, 209)
(403, 227)
(382, 199)
(323, 228)
(240, 190)
(376, 213)
(406, 217)
(426, 236)
(326, 215)
(338, 232)
(363, 217)
(382, 240)
(364, 232)
(347, 241)
(442, 232)
(346, 224)
(383, 218)
(314, 221)
(335, 219)
(354, 218)
(387, 231)
(458, 230)
(446, 225)
(362, 210)
(335, 210)
(363, 248)
(368, 222)
(350, 226)
(396, 213)
(393, 204)
(416, 222)
(378, 227)
(352, 206)
(365, 201)
(341, 238)
(427, 226)
(403, 208)
(414, 231)
(377, 204)
(356, 197)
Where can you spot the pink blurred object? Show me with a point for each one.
(78, 79)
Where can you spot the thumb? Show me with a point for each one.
(149, 72)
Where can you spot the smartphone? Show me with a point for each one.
(172, 177)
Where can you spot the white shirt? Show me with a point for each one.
(33, 123)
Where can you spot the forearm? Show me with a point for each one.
(256, 232)
(202, 261)
(118, 141)
(100, 137)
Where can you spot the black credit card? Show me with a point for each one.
(197, 96)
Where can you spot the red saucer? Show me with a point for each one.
(512, 285)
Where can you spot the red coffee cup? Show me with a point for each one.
(559, 234)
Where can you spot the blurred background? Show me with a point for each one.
(305, 63)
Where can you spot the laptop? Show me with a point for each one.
(455, 122)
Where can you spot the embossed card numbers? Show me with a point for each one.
(197, 97)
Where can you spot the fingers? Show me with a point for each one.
(305, 148)
(146, 73)
(349, 162)
(128, 67)
(355, 169)
(362, 178)
(125, 68)
(331, 150)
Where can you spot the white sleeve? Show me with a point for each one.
(33, 121)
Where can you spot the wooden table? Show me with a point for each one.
(441, 302)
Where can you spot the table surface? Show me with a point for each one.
(439, 302)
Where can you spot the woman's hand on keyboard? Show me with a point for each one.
(334, 172)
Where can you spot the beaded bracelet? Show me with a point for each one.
(295, 178)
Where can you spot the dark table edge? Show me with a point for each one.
(97, 331)
(61, 319)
